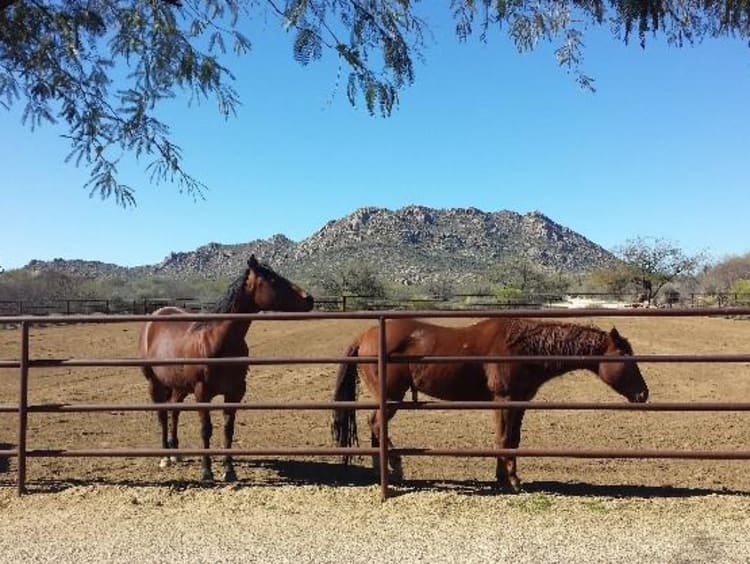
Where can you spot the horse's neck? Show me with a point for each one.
(223, 337)
(233, 329)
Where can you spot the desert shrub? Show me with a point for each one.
(354, 281)
(510, 295)
(741, 290)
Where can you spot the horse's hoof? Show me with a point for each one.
(207, 476)
(175, 459)
(515, 485)
(230, 475)
(512, 487)
(397, 472)
(165, 462)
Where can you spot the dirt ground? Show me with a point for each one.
(554, 429)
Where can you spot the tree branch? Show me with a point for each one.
(5, 4)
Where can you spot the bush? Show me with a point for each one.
(741, 291)
(355, 281)
(509, 295)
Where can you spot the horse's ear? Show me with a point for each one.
(252, 262)
(614, 334)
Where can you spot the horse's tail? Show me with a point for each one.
(344, 424)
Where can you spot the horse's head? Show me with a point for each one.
(624, 377)
(271, 291)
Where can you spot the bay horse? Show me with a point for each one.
(474, 381)
(258, 288)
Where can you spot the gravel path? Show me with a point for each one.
(350, 524)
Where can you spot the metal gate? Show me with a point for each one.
(25, 363)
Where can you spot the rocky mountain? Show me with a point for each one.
(414, 245)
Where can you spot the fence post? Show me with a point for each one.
(383, 415)
(23, 399)
(343, 303)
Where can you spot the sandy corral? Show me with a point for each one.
(309, 510)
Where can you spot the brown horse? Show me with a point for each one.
(258, 289)
(511, 381)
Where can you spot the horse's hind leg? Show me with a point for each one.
(397, 383)
(394, 460)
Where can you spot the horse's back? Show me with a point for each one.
(449, 381)
(415, 336)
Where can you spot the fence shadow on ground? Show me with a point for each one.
(281, 472)
(306, 472)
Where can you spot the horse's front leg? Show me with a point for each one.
(172, 440)
(513, 430)
(206, 432)
(160, 394)
(229, 474)
(233, 394)
(162, 416)
(505, 433)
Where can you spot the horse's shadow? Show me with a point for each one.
(285, 472)
(5, 460)
(306, 472)
(312, 472)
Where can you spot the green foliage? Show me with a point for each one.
(61, 58)
(654, 262)
(509, 295)
(354, 281)
(721, 276)
(38, 288)
(617, 280)
(441, 288)
(103, 67)
(526, 277)
(741, 289)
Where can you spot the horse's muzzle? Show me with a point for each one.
(640, 397)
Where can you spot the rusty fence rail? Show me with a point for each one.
(25, 363)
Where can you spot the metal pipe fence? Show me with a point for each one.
(351, 302)
(25, 364)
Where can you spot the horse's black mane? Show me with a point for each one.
(623, 344)
(232, 299)
(235, 300)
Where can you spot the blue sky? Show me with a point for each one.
(661, 149)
